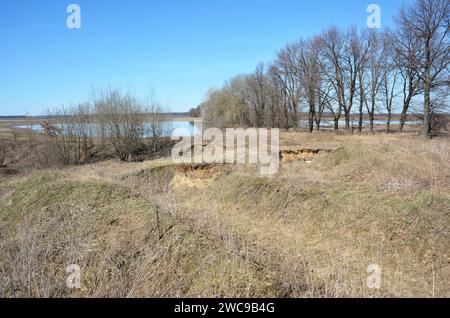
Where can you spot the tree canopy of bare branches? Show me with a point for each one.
(340, 74)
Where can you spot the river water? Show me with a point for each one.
(182, 127)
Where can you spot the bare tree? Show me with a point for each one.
(277, 99)
(238, 99)
(390, 76)
(363, 85)
(405, 47)
(343, 54)
(79, 127)
(331, 54)
(156, 124)
(376, 59)
(257, 90)
(309, 70)
(68, 138)
(287, 63)
(428, 21)
(122, 115)
(280, 96)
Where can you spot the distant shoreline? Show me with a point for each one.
(34, 119)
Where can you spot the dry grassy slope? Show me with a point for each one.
(311, 230)
(122, 245)
(385, 203)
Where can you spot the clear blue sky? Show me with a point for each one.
(177, 48)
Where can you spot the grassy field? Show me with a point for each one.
(154, 229)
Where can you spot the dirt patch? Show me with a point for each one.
(302, 154)
(159, 180)
(197, 175)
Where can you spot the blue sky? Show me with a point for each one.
(178, 49)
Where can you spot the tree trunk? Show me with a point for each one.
(404, 114)
(360, 122)
(318, 120)
(427, 88)
(311, 115)
(312, 110)
(389, 121)
(361, 102)
(286, 119)
(311, 125)
(347, 121)
(295, 116)
(426, 113)
(402, 121)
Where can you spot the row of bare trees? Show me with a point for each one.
(342, 74)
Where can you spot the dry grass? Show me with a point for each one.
(154, 229)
